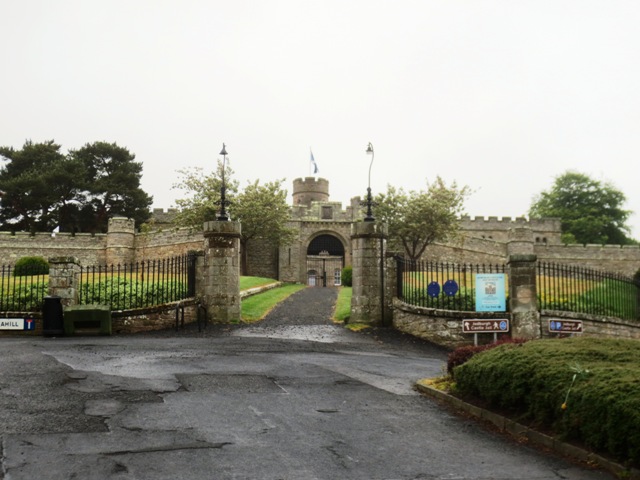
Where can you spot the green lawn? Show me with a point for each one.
(251, 282)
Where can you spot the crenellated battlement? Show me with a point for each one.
(504, 223)
(544, 230)
(310, 189)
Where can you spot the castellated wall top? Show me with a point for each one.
(323, 212)
(505, 223)
(311, 183)
(310, 189)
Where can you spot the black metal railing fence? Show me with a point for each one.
(22, 288)
(442, 285)
(585, 290)
(138, 284)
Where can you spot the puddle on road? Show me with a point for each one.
(311, 333)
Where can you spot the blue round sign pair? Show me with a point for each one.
(450, 288)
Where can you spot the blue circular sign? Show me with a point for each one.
(450, 287)
(433, 289)
(503, 325)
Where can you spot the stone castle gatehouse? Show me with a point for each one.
(322, 244)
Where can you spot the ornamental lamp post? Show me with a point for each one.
(223, 189)
(369, 217)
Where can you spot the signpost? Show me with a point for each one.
(565, 326)
(489, 325)
(17, 324)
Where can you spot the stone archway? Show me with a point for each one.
(325, 261)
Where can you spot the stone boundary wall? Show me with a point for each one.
(124, 321)
(623, 259)
(498, 229)
(87, 248)
(167, 243)
(468, 250)
(592, 325)
(263, 258)
(149, 319)
(92, 249)
(444, 327)
(37, 331)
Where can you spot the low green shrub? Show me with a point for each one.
(27, 297)
(122, 293)
(583, 389)
(347, 276)
(30, 266)
(462, 354)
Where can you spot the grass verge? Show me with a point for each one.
(342, 309)
(256, 307)
(251, 282)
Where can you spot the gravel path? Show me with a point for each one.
(309, 306)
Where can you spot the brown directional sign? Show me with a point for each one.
(485, 326)
(560, 325)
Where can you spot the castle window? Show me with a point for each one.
(327, 213)
(337, 277)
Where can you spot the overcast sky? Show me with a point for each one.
(502, 96)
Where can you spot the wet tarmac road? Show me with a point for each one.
(294, 397)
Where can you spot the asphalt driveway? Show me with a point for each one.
(294, 397)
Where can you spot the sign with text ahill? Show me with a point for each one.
(17, 324)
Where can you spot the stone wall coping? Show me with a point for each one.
(254, 291)
(435, 312)
(588, 317)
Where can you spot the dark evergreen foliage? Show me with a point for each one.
(42, 189)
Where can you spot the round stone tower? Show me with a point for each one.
(121, 236)
(310, 189)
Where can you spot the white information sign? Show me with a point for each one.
(11, 323)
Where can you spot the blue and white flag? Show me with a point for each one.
(314, 165)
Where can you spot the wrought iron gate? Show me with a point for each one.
(324, 270)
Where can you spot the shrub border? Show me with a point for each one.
(520, 432)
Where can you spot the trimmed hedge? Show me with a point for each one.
(346, 276)
(462, 354)
(583, 389)
(30, 266)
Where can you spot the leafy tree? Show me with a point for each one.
(112, 182)
(262, 209)
(590, 211)
(418, 219)
(203, 202)
(264, 213)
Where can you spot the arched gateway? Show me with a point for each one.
(325, 260)
(321, 246)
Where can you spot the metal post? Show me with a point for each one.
(369, 217)
(223, 190)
